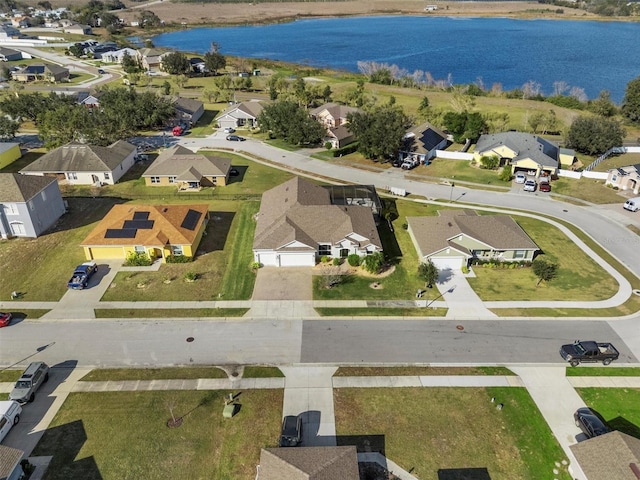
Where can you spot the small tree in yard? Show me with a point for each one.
(331, 277)
(544, 270)
(373, 263)
(505, 173)
(490, 162)
(428, 272)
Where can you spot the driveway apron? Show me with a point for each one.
(460, 298)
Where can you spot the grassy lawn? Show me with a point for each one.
(206, 125)
(182, 373)
(603, 372)
(169, 312)
(426, 430)
(123, 435)
(10, 375)
(615, 161)
(381, 312)
(588, 189)
(619, 407)
(460, 170)
(262, 372)
(422, 371)
(25, 313)
(222, 264)
(579, 277)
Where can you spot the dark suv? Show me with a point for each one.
(291, 435)
(35, 375)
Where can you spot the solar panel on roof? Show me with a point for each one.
(191, 219)
(141, 215)
(139, 224)
(120, 233)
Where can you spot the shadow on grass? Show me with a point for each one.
(363, 443)
(625, 426)
(217, 232)
(84, 211)
(464, 474)
(242, 171)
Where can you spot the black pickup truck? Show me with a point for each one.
(578, 351)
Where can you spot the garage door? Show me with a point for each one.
(297, 259)
(267, 259)
(447, 263)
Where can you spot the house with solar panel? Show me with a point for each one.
(80, 164)
(422, 143)
(158, 231)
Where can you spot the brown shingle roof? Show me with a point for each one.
(335, 110)
(167, 225)
(20, 188)
(608, 456)
(78, 157)
(180, 161)
(9, 458)
(309, 463)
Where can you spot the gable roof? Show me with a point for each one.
(182, 162)
(252, 109)
(340, 133)
(301, 211)
(165, 225)
(78, 157)
(499, 232)
(608, 456)
(21, 188)
(525, 145)
(9, 51)
(334, 109)
(309, 463)
(187, 105)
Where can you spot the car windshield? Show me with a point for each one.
(579, 348)
(23, 384)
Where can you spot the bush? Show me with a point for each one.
(324, 258)
(354, 260)
(373, 263)
(135, 259)
(465, 269)
(179, 259)
(490, 162)
(346, 150)
(190, 276)
(505, 174)
(256, 265)
(328, 145)
(337, 261)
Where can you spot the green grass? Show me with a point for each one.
(588, 189)
(619, 407)
(380, 312)
(262, 372)
(124, 435)
(10, 375)
(169, 312)
(615, 161)
(603, 372)
(425, 430)
(579, 277)
(206, 124)
(421, 371)
(26, 313)
(457, 170)
(179, 373)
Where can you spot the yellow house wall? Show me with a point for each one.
(9, 156)
(566, 160)
(502, 151)
(164, 182)
(98, 253)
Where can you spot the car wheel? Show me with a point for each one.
(16, 419)
(32, 397)
(606, 361)
(46, 377)
(574, 363)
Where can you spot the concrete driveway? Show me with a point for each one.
(283, 283)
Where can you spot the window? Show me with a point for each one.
(107, 176)
(172, 179)
(17, 228)
(140, 249)
(324, 250)
(72, 175)
(176, 250)
(155, 179)
(344, 252)
(10, 209)
(519, 253)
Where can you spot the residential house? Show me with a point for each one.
(89, 100)
(612, 455)
(309, 463)
(188, 110)
(625, 178)
(198, 65)
(243, 114)
(456, 237)
(333, 118)
(10, 468)
(187, 170)
(80, 164)
(78, 29)
(116, 56)
(9, 54)
(524, 152)
(158, 231)
(100, 49)
(297, 224)
(28, 205)
(9, 153)
(151, 58)
(7, 31)
(45, 71)
(424, 141)
(21, 22)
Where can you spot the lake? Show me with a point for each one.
(591, 55)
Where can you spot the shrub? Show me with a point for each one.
(490, 162)
(465, 269)
(190, 276)
(337, 261)
(135, 259)
(373, 263)
(346, 150)
(505, 174)
(255, 265)
(327, 145)
(179, 259)
(324, 258)
(354, 260)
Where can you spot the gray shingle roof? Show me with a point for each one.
(252, 109)
(526, 145)
(77, 157)
(186, 165)
(309, 463)
(608, 456)
(187, 105)
(21, 188)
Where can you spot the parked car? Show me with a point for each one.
(234, 172)
(101, 71)
(29, 382)
(81, 275)
(235, 138)
(229, 130)
(590, 422)
(633, 204)
(291, 435)
(5, 319)
(520, 177)
(9, 416)
(530, 186)
(590, 351)
(545, 185)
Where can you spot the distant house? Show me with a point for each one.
(158, 231)
(151, 58)
(80, 164)
(89, 100)
(612, 455)
(116, 56)
(524, 152)
(9, 153)
(454, 238)
(625, 178)
(188, 110)
(28, 205)
(7, 31)
(309, 463)
(78, 29)
(298, 223)
(181, 167)
(46, 71)
(21, 22)
(9, 54)
(10, 467)
(243, 114)
(333, 118)
(198, 65)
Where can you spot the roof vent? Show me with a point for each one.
(450, 224)
(165, 210)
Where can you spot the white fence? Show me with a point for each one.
(609, 152)
(571, 174)
(454, 155)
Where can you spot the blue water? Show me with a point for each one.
(592, 55)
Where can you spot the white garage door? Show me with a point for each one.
(447, 263)
(297, 259)
(267, 259)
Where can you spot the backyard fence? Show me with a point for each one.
(454, 155)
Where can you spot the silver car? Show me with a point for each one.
(33, 377)
(530, 186)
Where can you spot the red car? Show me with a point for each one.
(544, 186)
(5, 319)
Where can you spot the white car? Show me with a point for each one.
(530, 186)
(229, 130)
(520, 177)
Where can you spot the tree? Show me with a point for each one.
(131, 64)
(286, 119)
(465, 125)
(489, 162)
(76, 50)
(379, 132)
(428, 272)
(595, 135)
(45, 5)
(8, 128)
(423, 108)
(176, 63)
(631, 101)
(214, 62)
(148, 19)
(166, 87)
(545, 271)
(603, 105)
(373, 263)
(505, 173)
